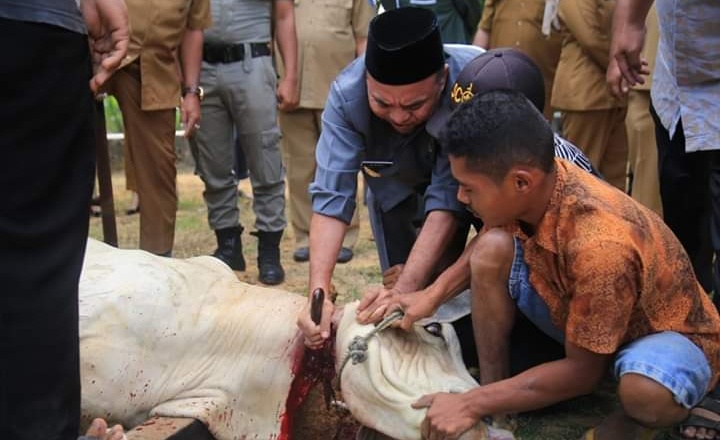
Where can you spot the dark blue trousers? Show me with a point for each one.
(690, 192)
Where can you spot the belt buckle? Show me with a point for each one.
(227, 54)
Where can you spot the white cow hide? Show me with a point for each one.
(185, 338)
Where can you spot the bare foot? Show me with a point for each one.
(704, 419)
(99, 430)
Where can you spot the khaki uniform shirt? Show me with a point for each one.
(156, 31)
(518, 24)
(326, 31)
(580, 78)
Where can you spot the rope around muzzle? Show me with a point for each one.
(357, 350)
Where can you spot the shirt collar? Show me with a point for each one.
(546, 232)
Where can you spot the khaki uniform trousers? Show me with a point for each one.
(301, 130)
(601, 135)
(150, 159)
(644, 183)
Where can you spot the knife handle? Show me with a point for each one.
(316, 305)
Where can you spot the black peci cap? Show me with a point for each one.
(404, 46)
(492, 70)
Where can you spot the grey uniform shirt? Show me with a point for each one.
(351, 134)
(239, 21)
(62, 13)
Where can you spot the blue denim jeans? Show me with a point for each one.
(668, 358)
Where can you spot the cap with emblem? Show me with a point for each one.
(492, 70)
(404, 46)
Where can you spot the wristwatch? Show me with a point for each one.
(197, 90)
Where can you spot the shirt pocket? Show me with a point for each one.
(336, 15)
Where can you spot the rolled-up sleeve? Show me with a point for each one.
(338, 156)
(441, 194)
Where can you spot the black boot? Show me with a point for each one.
(271, 272)
(229, 248)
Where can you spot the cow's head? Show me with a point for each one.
(399, 369)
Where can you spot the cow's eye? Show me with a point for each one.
(434, 329)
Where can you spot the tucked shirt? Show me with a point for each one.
(156, 31)
(62, 13)
(686, 82)
(351, 133)
(611, 271)
(246, 21)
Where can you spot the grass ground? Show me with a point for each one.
(193, 237)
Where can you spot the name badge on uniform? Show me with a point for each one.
(373, 167)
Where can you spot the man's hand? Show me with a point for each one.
(448, 416)
(99, 430)
(109, 35)
(415, 306)
(190, 113)
(316, 335)
(616, 80)
(628, 39)
(288, 94)
(375, 304)
(391, 276)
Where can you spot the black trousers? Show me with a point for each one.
(690, 192)
(46, 173)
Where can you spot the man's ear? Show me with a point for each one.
(524, 179)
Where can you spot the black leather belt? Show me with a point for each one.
(229, 53)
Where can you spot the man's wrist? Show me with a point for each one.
(193, 90)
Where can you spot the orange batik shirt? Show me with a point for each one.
(611, 271)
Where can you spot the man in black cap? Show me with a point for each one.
(374, 122)
(495, 69)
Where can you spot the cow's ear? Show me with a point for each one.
(434, 328)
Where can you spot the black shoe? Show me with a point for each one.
(269, 267)
(229, 248)
(345, 255)
(301, 254)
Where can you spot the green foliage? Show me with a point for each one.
(114, 119)
(113, 116)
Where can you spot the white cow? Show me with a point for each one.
(185, 338)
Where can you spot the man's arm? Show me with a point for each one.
(431, 244)
(191, 60)
(482, 35)
(361, 15)
(288, 93)
(577, 374)
(626, 67)
(326, 237)
(360, 44)
(338, 155)
(407, 292)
